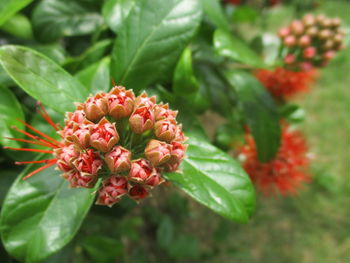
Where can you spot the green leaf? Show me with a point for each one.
(41, 215)
(10, 111)
(10, 7)
(165, 232)
(213, 9)
(18, 26)
(152, 39)
(41, 78)
(53, 19)
(216, 180)
(184, 81)
(184, 247)
(227, 45)
(245, 14)
(53, 51)
(260, 112)
(96, 77)
(116, 11)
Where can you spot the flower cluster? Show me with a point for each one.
(286, 172)
(311, 42)
(283, 83)
(127, 141)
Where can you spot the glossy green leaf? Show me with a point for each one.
(10, 7)
(18, 26)
(10, 111)
(214, 11)
(152, 39)
(53, 51)
(53, 19)
(96, 77)
(184, 81)
(41, 215)
(116, 11)
(216, 180)
(260, 112)
(227, 45)
(41, 78)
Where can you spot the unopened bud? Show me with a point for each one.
(165, 129)
(309, 52)
(289, 41)
(336, 22)
(304, 41)
(157, 152)
(142, 119)
(95, 107)
(112, 190)
(118, 159)
(120, 102)
(144, 100)
(329, 44)
(329, 55)
(138, 192)
(324, 34)
(88, 162)
(312, 31)
(141, 170)
(289, 59)
(104, 135)
(77, 179)
(297, 27)
(309, 20)
(283, 32)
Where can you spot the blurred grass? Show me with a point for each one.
(313, 227)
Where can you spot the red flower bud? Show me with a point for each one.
(142, 119)
(77, 179)
(104, 135)
(144, 100)
(157, 152)
(118, 159)
(138, 192)
(80, 135)
(312, 31)
(172, 167)
(162, 111)
(336, 22)
(297, 27)
(141, 170)
(309, 52)
(329, 55)
(120, 102)
(65, 157)
(95, 107)
(88, 162)
(309, 20)
(324, 34)
(114, 187)
(165, 129)
(289, 59)
(283, 32)
(177, 151)
(155, 180)
(305, 41)
(179, 135)
(306, 66)
(289, 41)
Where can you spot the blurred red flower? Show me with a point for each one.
(283, 83)
(284, 174)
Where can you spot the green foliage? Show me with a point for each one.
(260, 112)
(142, 57)
(213, 10)
(11, 110)
(116, 11)
(9, 7)
(227, 45)
(53, 19)
(42, 78)
(214, 179)
(41, 215)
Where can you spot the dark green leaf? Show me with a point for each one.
(245, 13)
(213, 9)
(227, 45)
(102, 249)
(184, 81)
(53, 51)
(260, 112)
(41, 215)
(18, 26)
(42, 78)
(116, 11)
(10, 7)
(184, 247)
(165, 232)
(53, 19)
(216, 180)
(96, 77)
(10, 111)
(152, 39)
(6, 179)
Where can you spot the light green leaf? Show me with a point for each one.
(10, 111)
(41, 215)
(18, 26)
(216, 180)
(227, 45)
(53, 19)
(152, 39)
(213, 9)
(96, 77)
(10, 7)
(116, 11)
(184, 81)
(41, 78)
(260, 112)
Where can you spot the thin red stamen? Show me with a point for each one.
(39, 170)
(48, 144)
(28, 141)
(40, 109)
(40, 133)
(41, 161)
(28, 150)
